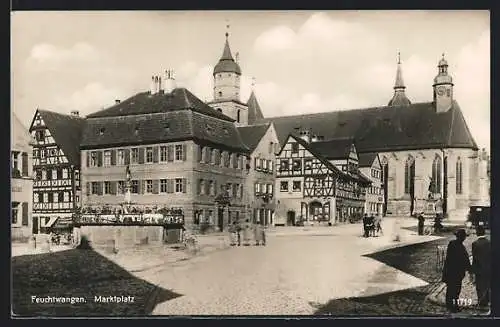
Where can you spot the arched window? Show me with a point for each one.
(409, 175)
(459, 176)
(220, 94)
(238, 116)
(435, 186)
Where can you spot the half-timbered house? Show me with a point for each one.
(56, 168)
(371, 167)
(311, 189)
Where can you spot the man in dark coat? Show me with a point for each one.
(366, 225)
(421, 222)
(481, 266)
(455, 265)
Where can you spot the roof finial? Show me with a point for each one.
(253, 83)
(442, 55)
(227, 28)
(399, 57)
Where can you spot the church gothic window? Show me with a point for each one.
(459, 176)
(409, 175)
(435, 186)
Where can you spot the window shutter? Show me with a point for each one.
(201, 149)
(217, 156)
(99, 158)
(155, 154)
(241, 191)
(127, 156)
(271, 164)
(235, 160)
(199, 186)
(25, 213)
(141, 155)
(235, 190)
(184, 152)
(184, 185)
(170, 186)
(207, 154)
(113, 157)
(142, 186)
(255, 160)
(170, 153)
(88, 189)
(114, 186)
(87, 154)
(255, 188)
(207, 187)
(100, 185)
(156, 186)
(215, 188)
(24, 159)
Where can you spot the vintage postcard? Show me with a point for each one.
(280, 163)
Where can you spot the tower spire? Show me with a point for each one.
(399, 98)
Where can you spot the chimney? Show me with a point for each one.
(160, 86)
(117, 101)
(169, 81)
(306, 135)
(152, 89)
(157, 80)
(315, 138)
(75, 113)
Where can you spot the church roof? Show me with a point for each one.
(251, 135)
(399, 99)
(254, 111)
(226, 63)
(377, 129)
(145, 103)
(334, 148)
(66, 131)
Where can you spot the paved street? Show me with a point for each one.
(293, 275)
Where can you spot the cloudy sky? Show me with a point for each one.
(302, 61)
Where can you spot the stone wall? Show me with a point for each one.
(120, 237)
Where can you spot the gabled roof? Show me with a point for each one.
(323, 160)
(366, 159)
(339, 148)
(251, 135)
(145, 103)
(66, 131)
(20, 137)
(226, 63)
(169, 126)
(254, 111)
(414, 127)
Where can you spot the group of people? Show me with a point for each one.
(457, 263)
(244, 233)
(438, 226)
(372, 225)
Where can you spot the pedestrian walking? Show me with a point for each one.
(455, 266)
(365, 225)
(378, 224)
(421, 223)
(257, 234)
(238, 232)
(371, 225)
(233, 235)
(481, 267)
(247, 230)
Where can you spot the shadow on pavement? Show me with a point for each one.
(82, 274)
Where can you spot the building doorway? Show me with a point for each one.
(220, 218)
(34, 227)
(316, 210)
(290, 218)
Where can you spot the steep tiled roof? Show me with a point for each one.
(160, 127)
(226, 63)
(66, 131)
(378, 129)
(254, 111)
(251, 135)
(366, 159)
(335, 148)
(327, 163)
(145, 103)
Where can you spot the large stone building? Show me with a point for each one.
(21, 180)
(424, 147)
(56, 168)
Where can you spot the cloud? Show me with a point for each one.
(276, 39)
(94, 96)
(47, 55)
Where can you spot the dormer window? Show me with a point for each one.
(220, 94)
(167, 127)
(136, 131)
(101, 131)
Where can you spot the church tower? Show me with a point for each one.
(399, 98)
(227, 81)
(443, 87)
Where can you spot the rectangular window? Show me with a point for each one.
(284, 186)
(179, 185)
(230, 190)
(202, 187)
(163, 186)
(149, 155)
(295, 147)
(64, 173)
(121, 157)
(121, 187)
(66, 196)
(296, 186)
(179, 155)
(35, 198)
(257, 164)
(107, 158)
(134, 187)
(297, 165)
(93, 159)
(149, 186)
(15, 162)
(284, 165)
(344, 167)
(211, 187)
(14, 212)
(257, 188)
(134, 156)
(46, 197)
(107, 187)
(271, 147)
(264, 164)
(163, 153)
(270, 188)
(95, 188)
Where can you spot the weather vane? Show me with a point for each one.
(399, 57)
(227, 27)
(253, 82)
